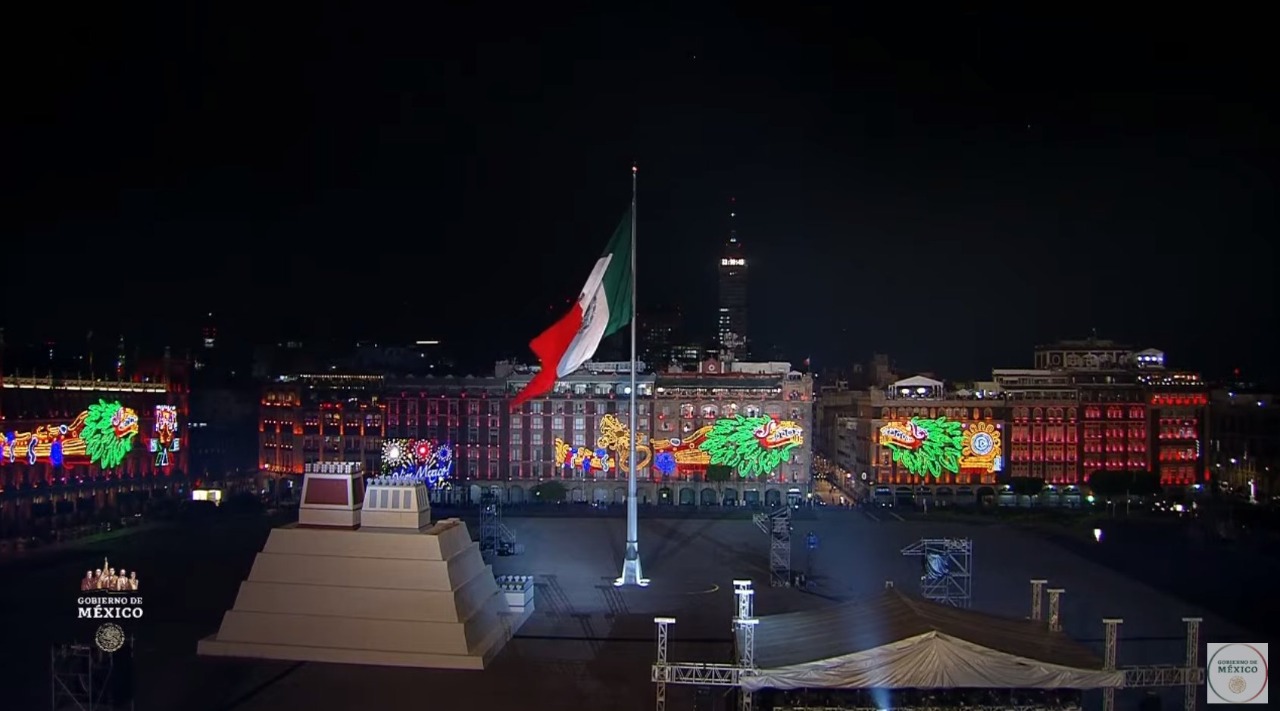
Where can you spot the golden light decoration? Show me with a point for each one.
(616, 437)
(981, 445)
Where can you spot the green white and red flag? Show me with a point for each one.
(603, 307)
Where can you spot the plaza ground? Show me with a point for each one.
(589, 645)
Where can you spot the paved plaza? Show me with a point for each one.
(589, 644)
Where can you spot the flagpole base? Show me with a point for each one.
(631, 568)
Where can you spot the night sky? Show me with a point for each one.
(950, 189)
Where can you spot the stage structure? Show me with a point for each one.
(365, 577)
(947, 569)
(86, 678)
(779, 652)
(1190, 676)
(778, 527)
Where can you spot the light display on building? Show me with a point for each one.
(584, 458)
(929, 447)
(677, 453)
(981, 448)
(924, 446)
(165, 440)
(611, 452)
(752, 445)
(422, 459)
(102, 435)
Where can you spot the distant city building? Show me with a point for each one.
(1244, 439)
(732, 331)
(659, 330)
(686, 356)
(422, 357)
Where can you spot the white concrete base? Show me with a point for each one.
(383, 597)
(213, 647)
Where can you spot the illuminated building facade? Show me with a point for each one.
(731, 317)
(1098, 406)
(557, 437)
(692, 406)
(67, 440)
(922, 437)
(463, 419)
(56, 431)
(320, 418)
(752, 420)
(1178, 402)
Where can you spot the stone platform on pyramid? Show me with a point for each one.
(365, 578)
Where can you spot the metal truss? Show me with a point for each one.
(664, 672)
(1112, 627)
(1191, 690)
(955, 586)
(1154, 677)
(778, 525)
(697, 674)
(1189, 676)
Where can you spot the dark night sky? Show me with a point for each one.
(949, 188)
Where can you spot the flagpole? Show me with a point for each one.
(631, 558)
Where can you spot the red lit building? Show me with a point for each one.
(349, 417)
(1179, 403)
(64, 440)
(569, 421)
(1095, 405)
(467, 415)
(40, 419)
(318, 418)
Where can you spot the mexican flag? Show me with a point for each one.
(603, 307)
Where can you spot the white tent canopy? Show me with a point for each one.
(895, 642)
(918, 381)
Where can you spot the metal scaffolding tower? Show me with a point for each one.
(85, 678)
(744, 635)
(947, 575)
(1112, 626)
(490, 525)
(1190, 687)
(778, 525)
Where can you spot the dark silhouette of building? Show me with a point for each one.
(731, 316)
(660, 329)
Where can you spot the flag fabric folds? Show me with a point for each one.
(603, 307)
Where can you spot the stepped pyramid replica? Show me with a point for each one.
(365, 578)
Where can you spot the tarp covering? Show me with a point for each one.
(896, 642)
